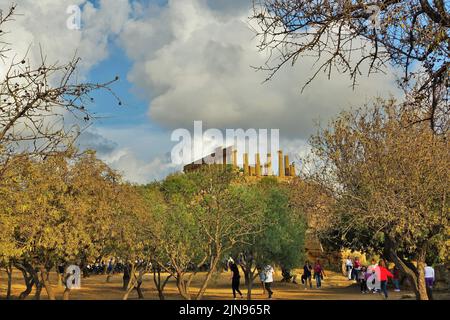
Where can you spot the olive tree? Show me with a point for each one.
(281, 241)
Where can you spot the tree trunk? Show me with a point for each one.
(126, 277)
(29, 283)
(421, 285)
(182, 288)
(66, 295)
(160, 286)
(246, 266)
(37, 295)
(9, 271)
(416, 276)
(45, 280)
(129, 289)
(249, 280)
(38, 284)
(134, 283)
(139, 282)
(27, 277)
(212, 269)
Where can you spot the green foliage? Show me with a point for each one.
(282, 240)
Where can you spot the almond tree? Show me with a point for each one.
(390, 181)
(66, 210)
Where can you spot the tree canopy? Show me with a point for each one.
(390, 181)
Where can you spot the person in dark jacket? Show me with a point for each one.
(307, 275)
(235, 279)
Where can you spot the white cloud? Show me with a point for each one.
(44, 24)
(140, 153)
(136, 170)
(195, 64)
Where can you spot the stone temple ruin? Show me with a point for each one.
(229, 156)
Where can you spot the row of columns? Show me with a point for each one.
(285, 168)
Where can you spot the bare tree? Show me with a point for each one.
(359, 36)
(37, 100)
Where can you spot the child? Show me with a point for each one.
(374, 269)
(362, 279)
(396, 279)
(384, 275)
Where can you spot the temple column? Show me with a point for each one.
(258, 165)
(287, 166)
(281, 171)
(246, 166)
(235, 161)
(269, 164)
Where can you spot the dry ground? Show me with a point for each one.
(335, 287)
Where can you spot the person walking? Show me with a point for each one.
(375, 269)
(262, 278)
(307, 275)
(318, 274)
(384, 275)
(235, 279)
(356, 269)
(362, 279)
(268, 280)
(429, 277)
(349, 267)
(396, 279)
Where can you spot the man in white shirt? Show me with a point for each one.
(429, 276)
(349, 267)
(269, 271)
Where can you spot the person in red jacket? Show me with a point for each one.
(384, 275)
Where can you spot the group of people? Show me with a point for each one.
(374, 278)
(317, 272)
(266, 277)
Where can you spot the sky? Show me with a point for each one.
(180, 61)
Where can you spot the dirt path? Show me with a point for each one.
(335, 287)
